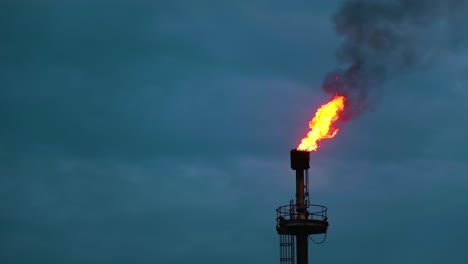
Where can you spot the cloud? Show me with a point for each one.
(130, 128)
(132, 80)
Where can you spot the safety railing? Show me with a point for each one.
(307, 211)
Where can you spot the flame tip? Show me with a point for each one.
(321, 125)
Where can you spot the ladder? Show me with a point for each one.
(286, 249)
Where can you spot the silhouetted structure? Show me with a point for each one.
(297, 221)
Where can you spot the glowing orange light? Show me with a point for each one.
(321, 126)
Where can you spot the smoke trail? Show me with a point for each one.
(384, 37)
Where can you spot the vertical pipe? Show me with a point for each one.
(302, 245)
(300, 194)
(302, 252)
(300, 163)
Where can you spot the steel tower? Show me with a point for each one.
(297, 221)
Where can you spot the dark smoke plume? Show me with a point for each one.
(384, 37)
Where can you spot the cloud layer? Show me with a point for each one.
(147, 132)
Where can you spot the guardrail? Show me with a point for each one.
(291, 212)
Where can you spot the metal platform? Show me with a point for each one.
(291, 221)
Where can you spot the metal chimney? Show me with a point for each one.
(297, 221)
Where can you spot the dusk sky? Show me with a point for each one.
(160, 131)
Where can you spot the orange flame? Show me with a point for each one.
(322, 124)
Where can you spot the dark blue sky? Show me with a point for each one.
(159, 132)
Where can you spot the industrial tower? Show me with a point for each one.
(297, 221)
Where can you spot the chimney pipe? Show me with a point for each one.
(300, 163)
